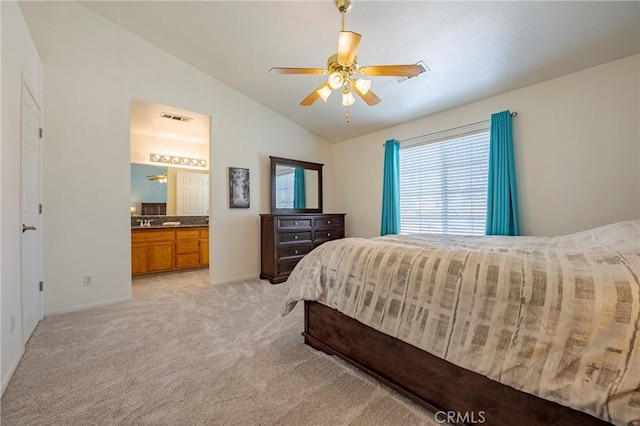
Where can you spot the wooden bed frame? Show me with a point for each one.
(428, 380)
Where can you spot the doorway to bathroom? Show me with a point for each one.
(170, 191)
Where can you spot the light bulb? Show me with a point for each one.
(335, 80)
(363, 85)
(347, 98)
(324, 92)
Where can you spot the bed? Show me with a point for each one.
(508, 330)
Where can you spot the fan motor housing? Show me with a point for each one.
(333, 65)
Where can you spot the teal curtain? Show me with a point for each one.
(299, 201)
(391, 189)
(502, 195)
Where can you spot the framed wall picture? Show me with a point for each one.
(238, 188)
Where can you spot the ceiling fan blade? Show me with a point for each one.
(390, 70)
(348, 42)
(313, 96)
(285, 70)
(370, 98)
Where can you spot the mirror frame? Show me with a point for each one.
(294, 163)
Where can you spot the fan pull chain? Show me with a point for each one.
(347, 117)
(342, 14)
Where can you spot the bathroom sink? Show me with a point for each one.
(170, 223)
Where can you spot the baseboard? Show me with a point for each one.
(7, 380)
(84, 307)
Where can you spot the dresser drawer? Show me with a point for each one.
(290, 250)
(329, 222)
(187, 246)
(293, 223)
(321, 236)
(285, 267)
(289, 237)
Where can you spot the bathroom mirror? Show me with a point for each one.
(172, 191)
(296, 186)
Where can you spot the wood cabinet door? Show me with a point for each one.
(162, 256)
(139, 258)
(204, 252)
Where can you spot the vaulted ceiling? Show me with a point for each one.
(473, 49)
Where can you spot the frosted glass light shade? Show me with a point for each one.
(363, 85)
(324, 92)
(335, 80)
(347, 98)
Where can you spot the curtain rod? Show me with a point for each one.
(513, 114)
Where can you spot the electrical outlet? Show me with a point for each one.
(87, 280)
(13, 322)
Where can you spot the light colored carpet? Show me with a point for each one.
(186, 352)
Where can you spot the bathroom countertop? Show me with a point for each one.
(171, 226)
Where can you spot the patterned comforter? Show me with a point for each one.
(557, 317)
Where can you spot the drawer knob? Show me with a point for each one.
(296, 252)
(295, 223)
(329, 222)
(295, 237)
(328, 234)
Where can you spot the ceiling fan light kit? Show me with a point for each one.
(343, 70)
(324, 91)
(347, 98)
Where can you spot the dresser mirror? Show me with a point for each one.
(296, 186)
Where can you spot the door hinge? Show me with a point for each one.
(41, 132)
(41, 286)
(39, 208)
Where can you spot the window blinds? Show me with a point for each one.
(284, 192)
(443, 185)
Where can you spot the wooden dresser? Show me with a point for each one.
(286, 238)
(168, 249)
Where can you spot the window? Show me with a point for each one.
(443, 185)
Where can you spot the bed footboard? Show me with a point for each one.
(428, 380)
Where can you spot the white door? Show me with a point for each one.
(30, 205)
(192, 193)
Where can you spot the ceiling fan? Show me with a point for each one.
(162, 178)
(344, 71)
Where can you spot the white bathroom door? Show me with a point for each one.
(192, 193)
(31, 251)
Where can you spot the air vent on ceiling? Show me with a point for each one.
(175, 117)
(423, 69)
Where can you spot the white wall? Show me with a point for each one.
(19, 61)
(577, 144)
(92, 71)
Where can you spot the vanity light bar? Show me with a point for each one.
(174, 159)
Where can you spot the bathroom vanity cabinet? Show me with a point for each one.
(159, 249)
